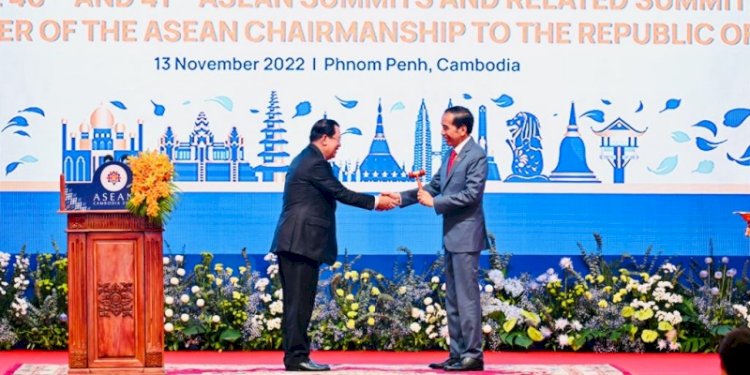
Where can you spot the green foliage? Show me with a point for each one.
(207, 309)
(628, 304)
(36, 317)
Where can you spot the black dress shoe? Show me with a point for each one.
(442, 365)
(466, 364)
(308, 365)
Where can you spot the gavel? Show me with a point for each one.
(417, 175)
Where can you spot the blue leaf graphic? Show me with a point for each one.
(23, 133)
(303, 108)
(28, 159)
(680, 137)
(223, 101)
(354, 131)
(666, 166)
(16, 121)
(19, 121)
(158, 109)
(347, 103)
(671, 104)
(11, 167)
(705, 167)
(706, 145)
(467, 96)
(606, 102)
(253, 110)
(118, 104)
(397, 106)
(595, 115)
(746, 154)
(186, 102)
(640, 107)
(708, 125)
(503, 101)
(741, 161)
(736, 116)
(36, 110)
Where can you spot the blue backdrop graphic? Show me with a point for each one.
(524, 224)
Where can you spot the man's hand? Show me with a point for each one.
(424, 198)
(393, 195)
(385, 203)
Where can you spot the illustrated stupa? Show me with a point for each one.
(572, 167)
(379, 165)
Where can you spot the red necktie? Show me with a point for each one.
(450, 162)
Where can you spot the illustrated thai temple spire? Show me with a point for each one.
(379, 165)
(423, 142)
(274, 165)
(572, 166)
(493, 174)
(619, 144)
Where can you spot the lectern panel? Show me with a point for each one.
(116, 278)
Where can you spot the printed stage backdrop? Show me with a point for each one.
(624, 117)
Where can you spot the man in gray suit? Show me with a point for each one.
(456, 192)
(306, 236)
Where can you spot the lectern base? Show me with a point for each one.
(118, 371)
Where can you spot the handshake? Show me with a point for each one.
(389, 200)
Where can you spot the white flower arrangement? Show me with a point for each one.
(742, 311)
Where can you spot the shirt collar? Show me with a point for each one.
(461, 145)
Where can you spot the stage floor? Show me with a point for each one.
(634, 364)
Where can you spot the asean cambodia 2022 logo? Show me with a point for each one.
(113, 178)
(108, 190)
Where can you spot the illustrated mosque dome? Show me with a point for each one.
(97, 140)
(102, 118)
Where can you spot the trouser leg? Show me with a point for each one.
(464, 276)
(299, 278)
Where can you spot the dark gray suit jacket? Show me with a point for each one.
(458, 197)
(307, 225)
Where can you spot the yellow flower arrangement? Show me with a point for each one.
(534, 334)
(153, 193)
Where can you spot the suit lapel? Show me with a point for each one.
(459, 158)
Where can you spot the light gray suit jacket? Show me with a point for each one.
(458, 197)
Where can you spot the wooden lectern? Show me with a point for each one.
(115, 282)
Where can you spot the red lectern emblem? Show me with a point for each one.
(114, 177)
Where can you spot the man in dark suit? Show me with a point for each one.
(456, 192)
(306, 236)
